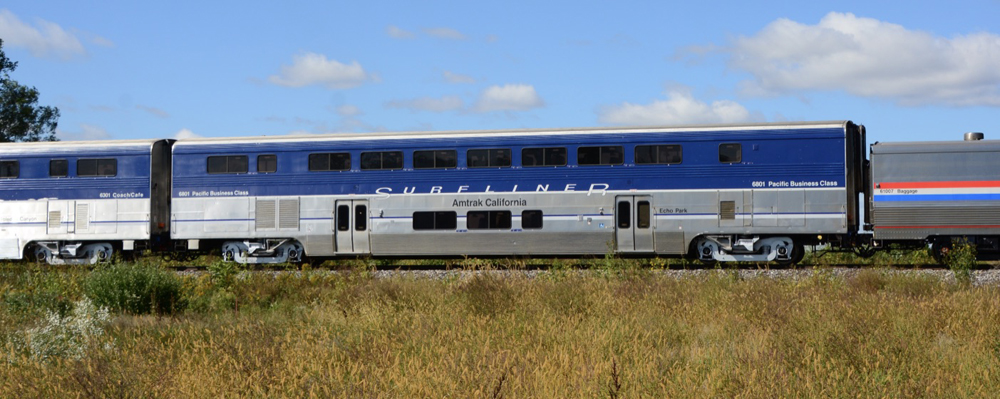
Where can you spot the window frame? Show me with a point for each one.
(99, 165)
(436, 156)
(524, 217)
(6, 169)
(739, 152)
(439, 220)
(65, 166)
(495, 219)
(490, 157)
(235, 164)
(657, 153)
(267, 159)
(601, 150)
(381, 160)
(546, 155)
(344, 158)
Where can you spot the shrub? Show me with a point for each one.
(63, 335)
(961, 259)
(135, 288)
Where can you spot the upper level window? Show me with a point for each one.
(665, 154)
(58, 168)
(97, 167)
(329, 161)
(552, 156)
(228, 164)
(267, 163)
(488, 158)
(730, 153)
(382, 160)
(605, 155)
(437, 159)
(9, 169)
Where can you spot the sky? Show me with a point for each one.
(913, 71)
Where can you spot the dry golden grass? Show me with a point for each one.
(563, 334)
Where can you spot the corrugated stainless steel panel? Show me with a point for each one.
(670, 243)
(938, 216)
(264, 218)
(288, 214)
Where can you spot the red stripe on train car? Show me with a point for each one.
(939, 184)
(985, 226)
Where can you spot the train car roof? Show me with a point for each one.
(919, 147)
(81, 146)
(510, 132)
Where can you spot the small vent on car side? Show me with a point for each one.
(727, 210)
(265, 214)
(82, 217)
(55, 219)
(288, 216)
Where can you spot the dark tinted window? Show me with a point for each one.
(228, 164)
(360, 217)
(553, 156)
(605, 155)
(488, 158)
(58, 168)
(322, 162)
(730, 153)
(267, 163)
(382, 160)
(435, 220)
(624, 214)
(488, 220)
(642, 210)
(343, 218)
(658, 154)
(531, 219)
(437, 159)
(9, 169)
(97, 167)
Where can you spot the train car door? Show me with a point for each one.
(351, 227)
(634, 223)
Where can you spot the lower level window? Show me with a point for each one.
(531, 219)
(479, 220)
(435, 220)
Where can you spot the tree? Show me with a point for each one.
(21, 118)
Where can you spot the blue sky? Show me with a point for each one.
(120, 70)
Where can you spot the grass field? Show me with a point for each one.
(613, 330)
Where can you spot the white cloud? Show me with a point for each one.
(511, 97)
(869, 58)
(314, 69)
(348, 110)
(444, 33)
(398, 33)
(443, 104)
(680, 107)
(86, 133)
(153, 111)
(185, 134)
(44, 39)
(457, 78)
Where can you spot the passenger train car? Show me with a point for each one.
(756, 192)
(938, 192)
(73, 203)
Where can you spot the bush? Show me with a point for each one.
(63, 336)
(135, 288)
(961, 259)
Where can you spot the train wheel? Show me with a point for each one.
(940, 249)
(798, 252)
